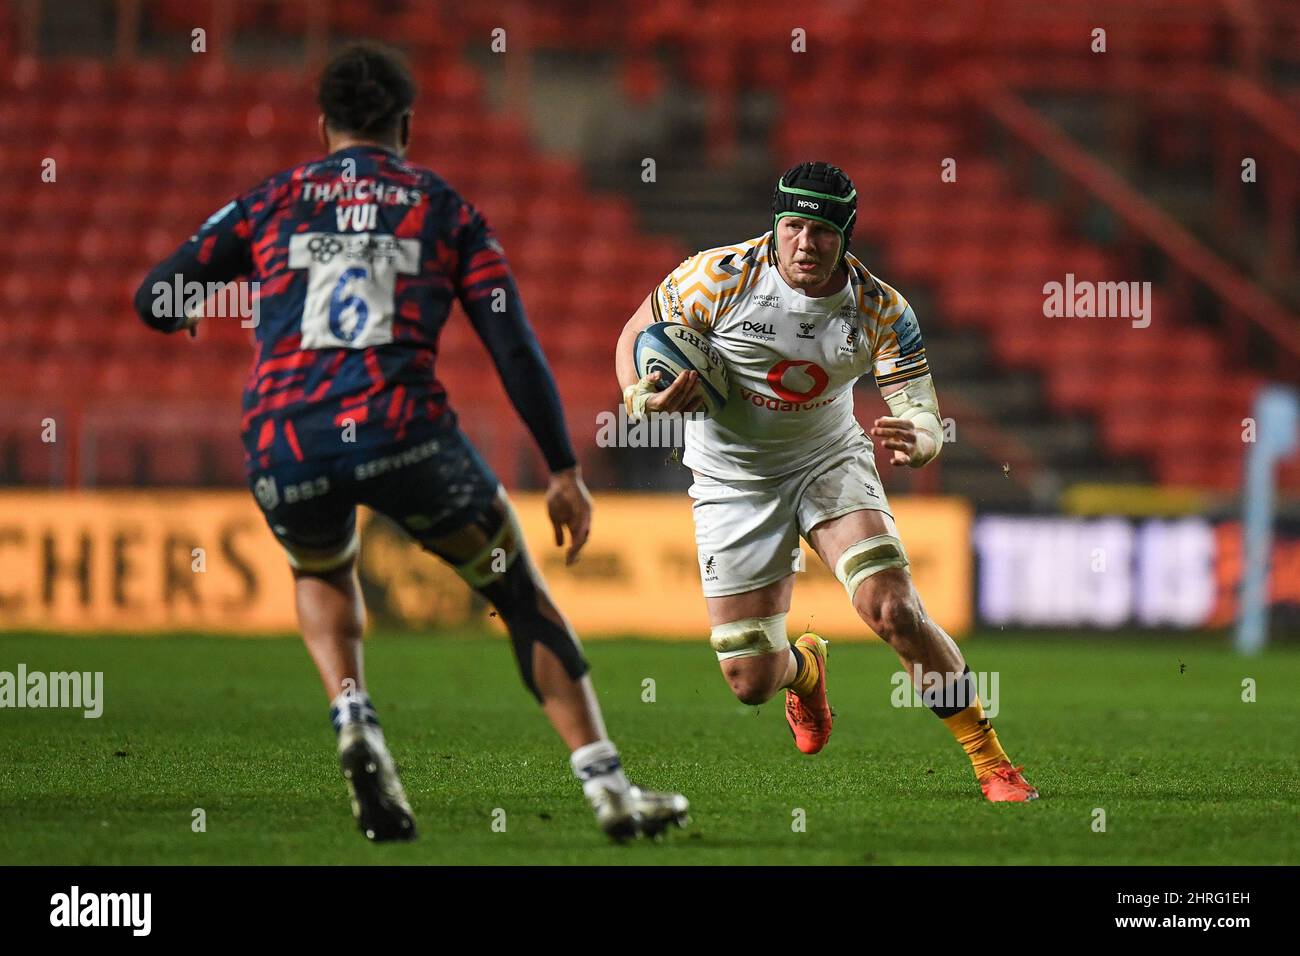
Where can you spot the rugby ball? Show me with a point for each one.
(671, 348)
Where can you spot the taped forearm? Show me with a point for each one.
(917, 402)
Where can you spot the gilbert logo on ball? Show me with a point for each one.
(670, 348)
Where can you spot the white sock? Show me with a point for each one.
(598, 767)
(352, 705)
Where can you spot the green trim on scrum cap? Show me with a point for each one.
(808, 192)
(796, 191)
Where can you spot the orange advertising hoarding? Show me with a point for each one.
(140, 562)
(133, 561)
(639, 573)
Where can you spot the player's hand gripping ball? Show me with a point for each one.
(673, 350)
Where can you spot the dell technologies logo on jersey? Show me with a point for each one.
(763, 331)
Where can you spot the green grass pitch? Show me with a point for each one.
(1153, 732)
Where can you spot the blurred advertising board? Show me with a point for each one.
(1112, 572)
(140, 561)
(174, 560)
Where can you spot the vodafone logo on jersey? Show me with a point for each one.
(797, 380)
(799, 384)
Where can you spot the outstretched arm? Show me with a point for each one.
(218, 252)
(491, 300)
(487, 291)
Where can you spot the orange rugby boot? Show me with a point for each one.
(810, 716)
(1005, 785)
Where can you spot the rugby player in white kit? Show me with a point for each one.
(799, 319)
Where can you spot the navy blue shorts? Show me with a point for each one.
(430, 487)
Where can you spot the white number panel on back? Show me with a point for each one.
(350, 284)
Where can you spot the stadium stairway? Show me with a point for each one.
(1185, 156)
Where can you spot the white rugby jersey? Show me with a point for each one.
(793, 359)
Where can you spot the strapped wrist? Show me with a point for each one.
(635, 397)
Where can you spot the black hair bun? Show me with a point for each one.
(365, 90)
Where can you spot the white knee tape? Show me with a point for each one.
(860, 561)
(322, 562)
(750, 637)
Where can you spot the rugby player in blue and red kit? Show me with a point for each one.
(359, 258)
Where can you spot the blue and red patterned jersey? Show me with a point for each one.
(358, 259)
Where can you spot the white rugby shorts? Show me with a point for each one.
(747, 532)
